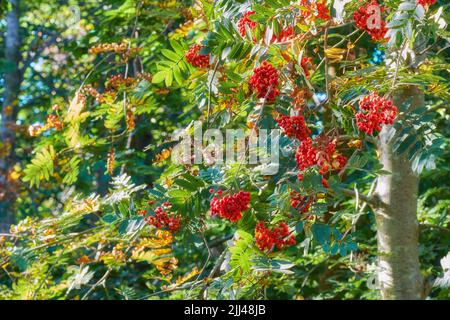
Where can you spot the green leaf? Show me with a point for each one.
(185, 184)
(177, 75)
(159, 76)
(321, 233)
(169, 78)
(109, 218)
(41, 167)
(171, 55)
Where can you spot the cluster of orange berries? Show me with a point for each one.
(144, 76)
(110, 160)
(121, 48)
(117, 81)
(195, 58)
(53, 122)
(130, 120)
(361, 17)
(375, 111)
(91, 91)
(265, 82)
(230, 206)
(109, 47)
(34, 130)
(268, 238)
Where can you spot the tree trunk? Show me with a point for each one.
(397, 226)
(12, 80)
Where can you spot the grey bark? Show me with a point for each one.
(397, 226)
(12, 81)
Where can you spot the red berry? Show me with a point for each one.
(302, 204)
(245, 20)
(265, 82)
(285, 34)
(305, 64)
(306, 154)
(325, 183)
(426, 2)
(363, 14)
(323, 155)
(195, 58)
(294, 126)
(161, 219)
(314, 10)
(230, 206)
(322, 11)
(267, 238)
(375, 111)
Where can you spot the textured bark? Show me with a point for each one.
(12, 80)
(397, 225)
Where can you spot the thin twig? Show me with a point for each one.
(360, 211)
(374, 201)
(212, 274)
(102, 281)
(210, 91)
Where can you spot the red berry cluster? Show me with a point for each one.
(306, 154)
(306, 64)
(278, 236)
(363, 14)
(322, 11)
(195, 58)
(285, 34)
(325, 156)
(375, 111)
(245, 20)
(329, 159)
(161, 219)
(265, 81)
(230, 206)
(314, 10)
(294, 126)
(426, 2)
(302, 204)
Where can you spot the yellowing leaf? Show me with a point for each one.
(335, 54)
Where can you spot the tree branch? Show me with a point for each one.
(212, 274)
(373, 200)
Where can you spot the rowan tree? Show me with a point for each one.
(359, 92)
